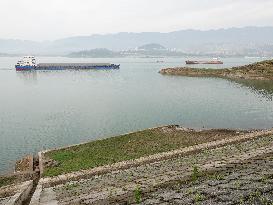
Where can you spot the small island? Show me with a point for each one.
(259, 71)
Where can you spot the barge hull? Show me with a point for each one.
(75, 66)
(22, 68)
(203, 62)
(69, 66)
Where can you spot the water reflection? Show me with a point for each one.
(260, 87)
(29, 77)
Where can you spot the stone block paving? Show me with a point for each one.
(249, 183)
(230, 187)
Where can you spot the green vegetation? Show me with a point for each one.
(198, 198)
(127, 147)
(138, 194)
(195, 173)
(7, 180)
(219, 176)
(256, 197)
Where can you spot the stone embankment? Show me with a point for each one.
(246, 183)
(258, 71)
(234, 170)
(15, 194)
(143, 182)
(148, 181)
(16, 188)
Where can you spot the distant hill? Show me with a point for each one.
(3, 55)
(95, 53)
(6, 55)
(19, 46)
(247, 40)
(148, 51)
(151, 47)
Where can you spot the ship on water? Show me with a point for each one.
(29, 63)
(213, 61)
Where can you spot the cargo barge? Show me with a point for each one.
(214, 61)
(29, 63)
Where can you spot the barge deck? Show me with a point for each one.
(75, 66)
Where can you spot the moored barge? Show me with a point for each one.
(214, 61)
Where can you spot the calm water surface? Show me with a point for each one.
(47, 109)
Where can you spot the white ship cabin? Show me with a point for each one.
(27, 61)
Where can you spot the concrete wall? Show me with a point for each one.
(21, 194)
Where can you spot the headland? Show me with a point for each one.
(257, 71)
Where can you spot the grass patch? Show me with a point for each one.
(138, 194)
(127, 147)
(198, 198)
(7, 180)
(195, 173)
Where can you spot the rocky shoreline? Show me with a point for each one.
(258, 71)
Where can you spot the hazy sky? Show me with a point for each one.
(53, 19)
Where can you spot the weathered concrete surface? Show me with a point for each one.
(16, 193)
(43, 197)
(120, 186)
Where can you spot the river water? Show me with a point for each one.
(47, 109)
